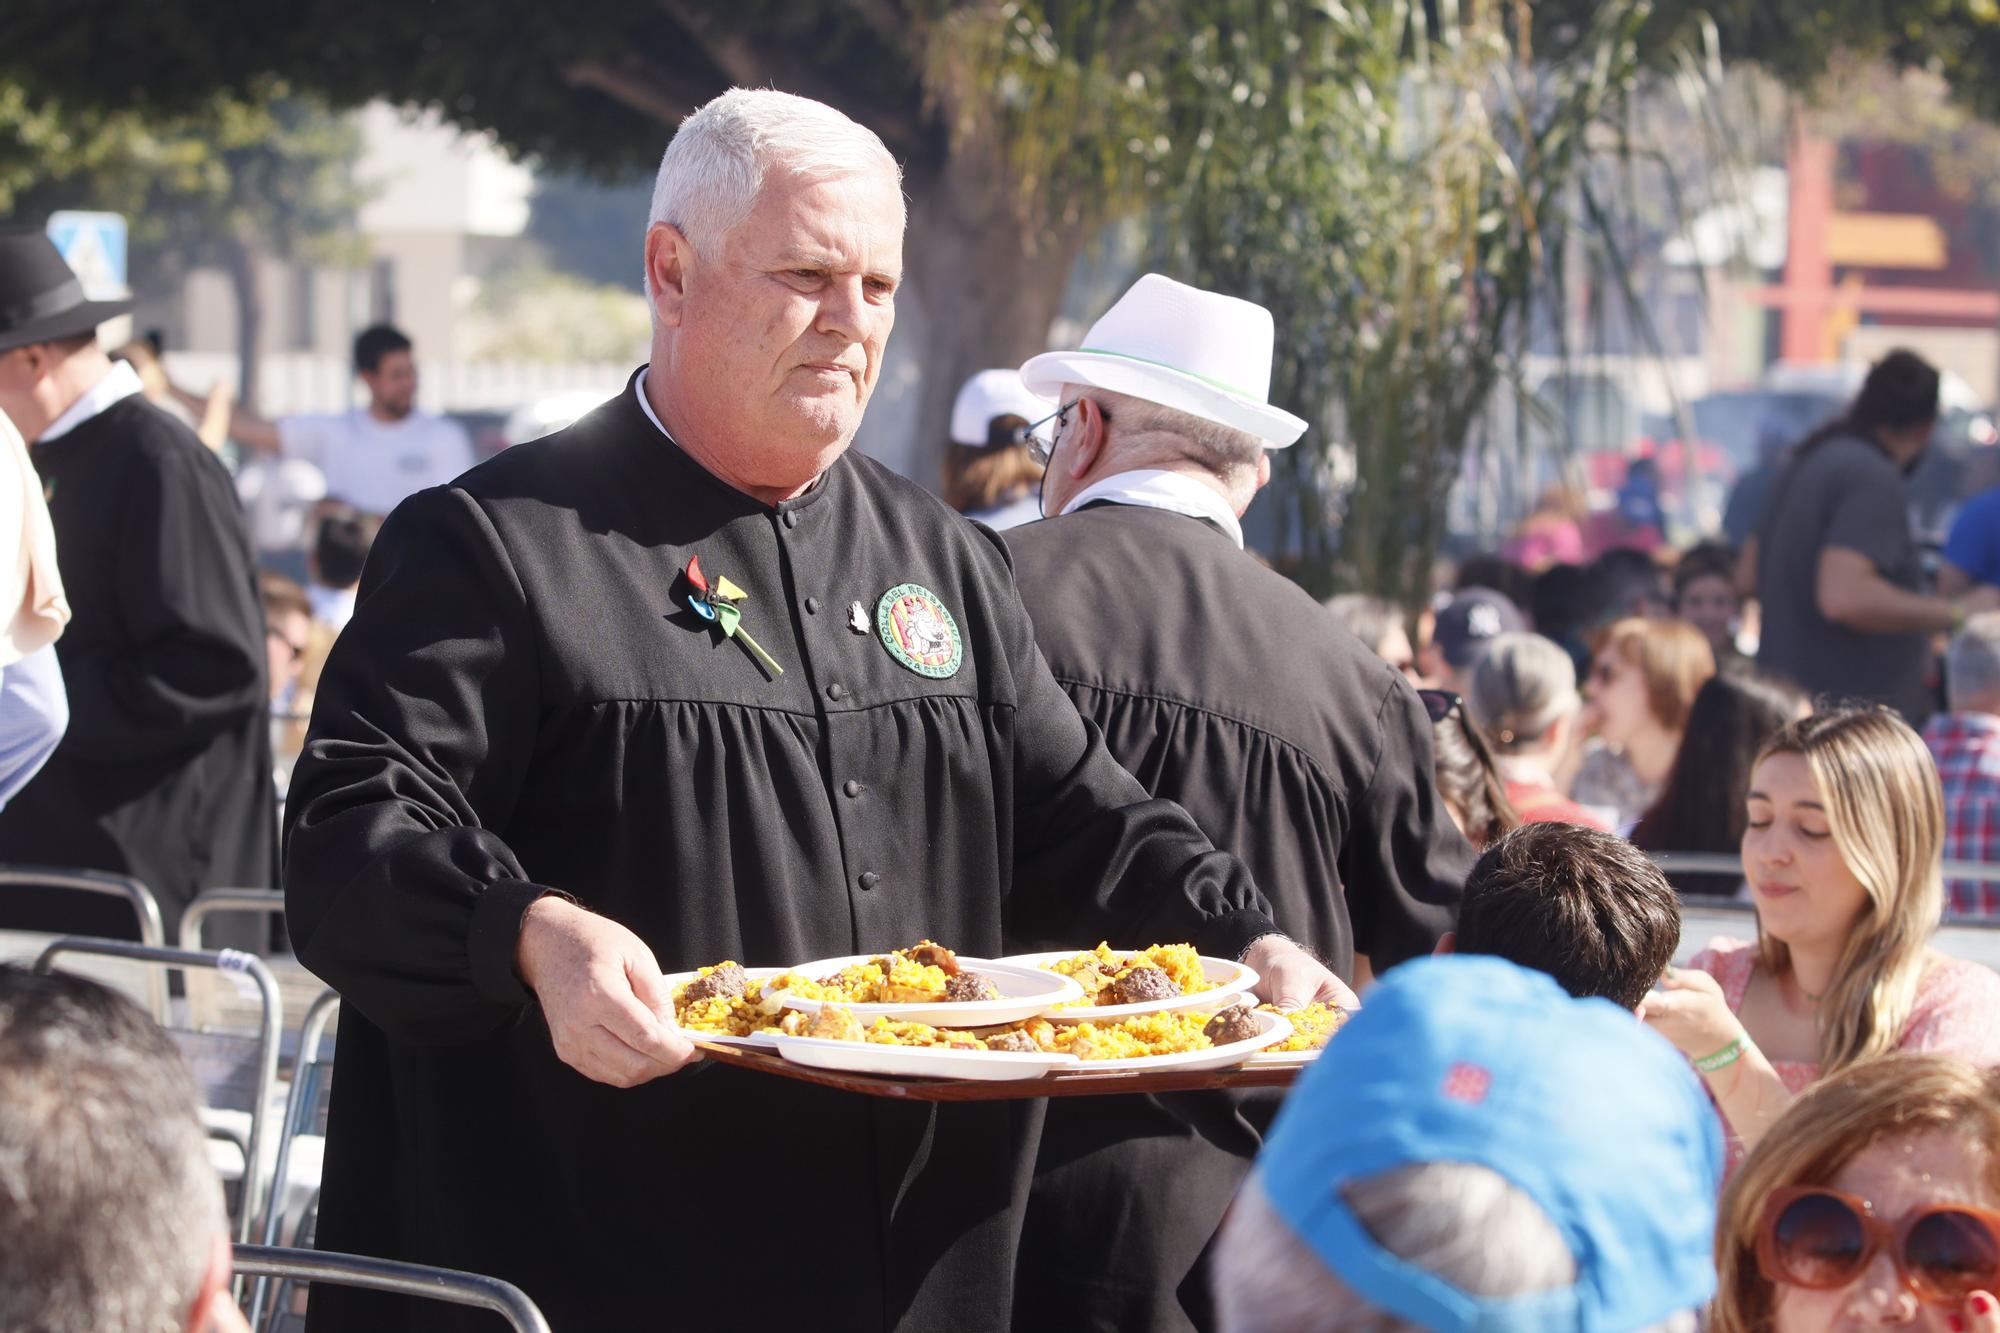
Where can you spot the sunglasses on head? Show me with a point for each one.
(1439, 703)
(1821, 1239)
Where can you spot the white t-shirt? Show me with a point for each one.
(375, 465)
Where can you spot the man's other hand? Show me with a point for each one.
(607, 1005)
(1292, 978)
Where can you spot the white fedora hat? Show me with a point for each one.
(1181, 347)
(990, 394)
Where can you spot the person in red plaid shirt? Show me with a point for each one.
(1966, 744)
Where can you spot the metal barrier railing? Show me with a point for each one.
(304, 1087)
(152, 931)
(437, 1284)
(266, 902)
(273, 1022)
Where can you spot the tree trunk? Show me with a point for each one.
(988, 291)
(241, 260)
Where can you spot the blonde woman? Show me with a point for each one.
(1845, 823)
(1874, 1203)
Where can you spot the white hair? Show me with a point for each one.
(1972, 663)
(1464, 1223)
(1521, 685)
(712, 170)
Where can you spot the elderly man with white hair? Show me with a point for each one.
(1477, 1152)
(687, 682)
(1223, 687)
(1965, 742)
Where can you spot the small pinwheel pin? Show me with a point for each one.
(719, 605)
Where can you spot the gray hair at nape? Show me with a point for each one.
(1972, 662)
(1464, 1223)
(109, 1209)
(715, 165)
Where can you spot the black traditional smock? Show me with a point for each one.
(165, 771)
(523, 699)
(1224, 687)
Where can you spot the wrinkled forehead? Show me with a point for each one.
(851, 222)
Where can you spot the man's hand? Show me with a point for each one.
(1291, 977)
(607, 1005)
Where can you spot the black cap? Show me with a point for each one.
(1472, 619)
(40, 299)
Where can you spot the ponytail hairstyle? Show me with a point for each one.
(1901, 391)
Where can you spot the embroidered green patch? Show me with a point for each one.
(918, 631)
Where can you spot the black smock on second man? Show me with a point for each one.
(165, 771)
(523, 700)
(1222, 686)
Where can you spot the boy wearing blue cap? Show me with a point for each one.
(1480, 1153)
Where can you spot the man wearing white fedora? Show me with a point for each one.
(1224, 687)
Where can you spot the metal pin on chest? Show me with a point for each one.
(857, 618)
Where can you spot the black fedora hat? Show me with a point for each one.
(40, 299)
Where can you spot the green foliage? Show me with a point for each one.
(534, 314)
(271, 172)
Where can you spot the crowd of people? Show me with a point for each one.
(533, 776)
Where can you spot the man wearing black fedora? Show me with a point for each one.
(165, 773)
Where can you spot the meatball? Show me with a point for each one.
(1231, 1025)
(1142, 984)
(1019, 1042)
(929, 954)
(727, 979)
(969, 986)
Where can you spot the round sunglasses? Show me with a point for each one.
(1821, 1239)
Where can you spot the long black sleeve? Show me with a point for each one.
(398, 892)
(1404, 861)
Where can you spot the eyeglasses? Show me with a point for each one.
(297, 650)
(1439, 703)
(1042, 443)
(1821, 1239)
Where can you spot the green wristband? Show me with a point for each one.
(1722, 1059)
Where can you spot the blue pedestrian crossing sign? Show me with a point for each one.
(93, 245)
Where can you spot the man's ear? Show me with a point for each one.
(668, 258)
(214, 1309)
(1447, 943)
(1086, 438)
(1263, 469)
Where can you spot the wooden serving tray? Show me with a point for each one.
(1069, 1083)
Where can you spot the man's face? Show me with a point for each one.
(392, 385)
(783, 321)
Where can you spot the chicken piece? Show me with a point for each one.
(927, 953)
(1142, 984)
(965, 986)
(726, 979)
(1018, 1042)
(959, 1041)
(1232, 1025)
(834, 1024)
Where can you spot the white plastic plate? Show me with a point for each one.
(1276, 1028)
(867, 1057)
(1024, 993)
(1230, 978)
(766, 1040)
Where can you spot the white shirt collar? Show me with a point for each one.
(645, 405)
(121, 382)
(335, 606)
(1153, 488)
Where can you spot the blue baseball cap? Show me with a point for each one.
(1574, 1102)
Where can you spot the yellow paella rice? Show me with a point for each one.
(887, 1033)
(890, 979)
(1312, 1025)
(1097, 970)
(736, 1015)
(1128, 1038)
